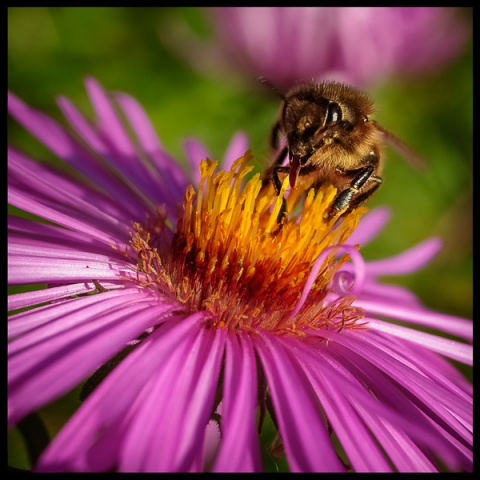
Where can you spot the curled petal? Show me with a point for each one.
(343, 284)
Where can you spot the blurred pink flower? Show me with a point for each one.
(216, 320)
(357, 45)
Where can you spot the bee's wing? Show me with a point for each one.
(404, 150)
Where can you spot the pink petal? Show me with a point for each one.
(27, 232)
(402, 451)
(118, 148)
(44, 128)
(237, 147)
(22, 200)
(168, 171)
(418, 315)
(296, 407)
(363, 368)
(370, 226)
(76, 309)
(53, 294)
(360, 447)
(375, 291)
(450, 348)
(239, 449)
(408, 261)
(66, 359)
(178, 407)
(436, 399)
(55, 191)
(109, 123)
(117, 187)
(196, 152)
(65, 147)
(64, 268)
(106, 407)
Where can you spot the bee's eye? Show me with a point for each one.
(334, 113)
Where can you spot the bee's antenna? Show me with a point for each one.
(270, 86)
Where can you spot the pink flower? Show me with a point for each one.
(357, 45)
(185, 319)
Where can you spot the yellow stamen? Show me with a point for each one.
(231, 258)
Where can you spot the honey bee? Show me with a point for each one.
(330, 138)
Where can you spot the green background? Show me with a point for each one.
(52, 50)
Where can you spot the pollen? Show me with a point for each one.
(231, 258)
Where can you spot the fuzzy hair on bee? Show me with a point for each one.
(329, 137)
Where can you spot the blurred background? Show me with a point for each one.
(194, 70)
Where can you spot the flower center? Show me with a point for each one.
(231, 258)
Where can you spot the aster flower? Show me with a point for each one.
(358, 45)
(196, 318)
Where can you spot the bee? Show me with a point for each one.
(330, 138)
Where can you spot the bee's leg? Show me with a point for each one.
(349, 198)
(275, 136)
(275, 178)
(278, 186)
(271, 176)
(361, 198)
(271, 173)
